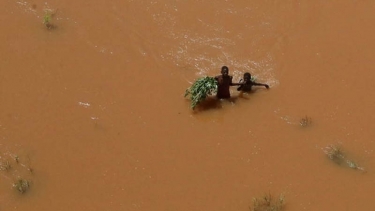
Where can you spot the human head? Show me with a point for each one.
(247, 76)
(224, 70)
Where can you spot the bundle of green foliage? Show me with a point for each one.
(200, 89)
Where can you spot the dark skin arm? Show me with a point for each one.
(236, 84)
(251, 84)
(230, 83)
(259, 84)
(233, 84)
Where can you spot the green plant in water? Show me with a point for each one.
(267, 203)
(200, 89)
(22, 185)
(47, 18)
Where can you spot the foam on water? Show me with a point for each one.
(204, 52)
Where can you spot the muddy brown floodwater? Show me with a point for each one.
(92, 111)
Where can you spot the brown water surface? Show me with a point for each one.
(93, 109)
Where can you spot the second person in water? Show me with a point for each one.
(247, 83)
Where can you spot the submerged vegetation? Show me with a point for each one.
(21, 185)
(267, 203)
(16, 171)
(200, 89)
(305, 121)
(336, 154)
(5, 165)
(47, 18)
(17, 159)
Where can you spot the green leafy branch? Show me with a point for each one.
(200, 89)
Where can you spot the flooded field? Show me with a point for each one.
(93, 114)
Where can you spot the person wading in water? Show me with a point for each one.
(224, 81)
(246, 83)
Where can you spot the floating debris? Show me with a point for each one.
(86, 105)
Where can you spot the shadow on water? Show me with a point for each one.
(244, 95)
(212, 102)
(209, 103)
(248, 94)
